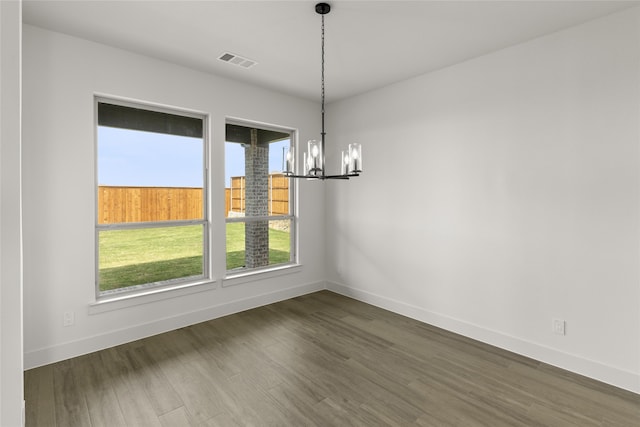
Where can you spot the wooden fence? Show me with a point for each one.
(138, 204)
(278, 198)
(117, 204)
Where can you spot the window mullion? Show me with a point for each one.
(149, 224)
(257, 218)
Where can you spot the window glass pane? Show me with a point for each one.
(278, 244)
(256, 188)
(235, 245)
(279, 241)
(132, 257)
(254, 160)
(277, 202)
(146, 176)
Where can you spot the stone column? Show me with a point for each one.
(256, 241)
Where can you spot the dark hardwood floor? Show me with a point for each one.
(317, 360)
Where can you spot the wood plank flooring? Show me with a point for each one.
(317, 360)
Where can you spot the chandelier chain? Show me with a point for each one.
(322, 76)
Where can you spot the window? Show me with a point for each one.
(151, 225)
(259, 204)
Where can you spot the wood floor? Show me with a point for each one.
(317, 360)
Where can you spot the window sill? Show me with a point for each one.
(238, 278)
(118, 302)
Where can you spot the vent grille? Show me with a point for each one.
(238, 60)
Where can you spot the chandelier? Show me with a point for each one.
(313, 160)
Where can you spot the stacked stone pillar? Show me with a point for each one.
(256, 241)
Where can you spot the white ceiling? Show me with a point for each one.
(369, 44)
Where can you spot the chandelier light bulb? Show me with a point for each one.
(290, 163)
(316, 159)
(355, 158)
(344, 163)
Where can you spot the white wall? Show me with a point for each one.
(61, 76)
(501, 193)
(11, 379)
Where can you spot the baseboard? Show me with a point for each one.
(607, 374)
(45, 356)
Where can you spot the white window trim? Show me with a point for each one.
(253, 275)
(152, 294)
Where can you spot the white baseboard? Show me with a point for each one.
(45, 356)
(598, 371)
(623, 379)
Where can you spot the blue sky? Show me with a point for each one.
(134, 158)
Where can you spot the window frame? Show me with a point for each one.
(232, 277)
(205, 221)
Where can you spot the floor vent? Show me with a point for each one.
(237, 60)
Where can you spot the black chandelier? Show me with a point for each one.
(313, 161)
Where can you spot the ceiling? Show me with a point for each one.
(369, 44)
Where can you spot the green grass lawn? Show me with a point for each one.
(279, 247)
(149, 255)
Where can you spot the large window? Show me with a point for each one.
(151, 225)
(259, 199)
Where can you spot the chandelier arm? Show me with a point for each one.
(323, 177)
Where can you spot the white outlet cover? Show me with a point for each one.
(559, 326)
(68, 318)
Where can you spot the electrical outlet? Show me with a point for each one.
(559, 326)
(68, 319)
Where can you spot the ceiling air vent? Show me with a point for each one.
(237, 60)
